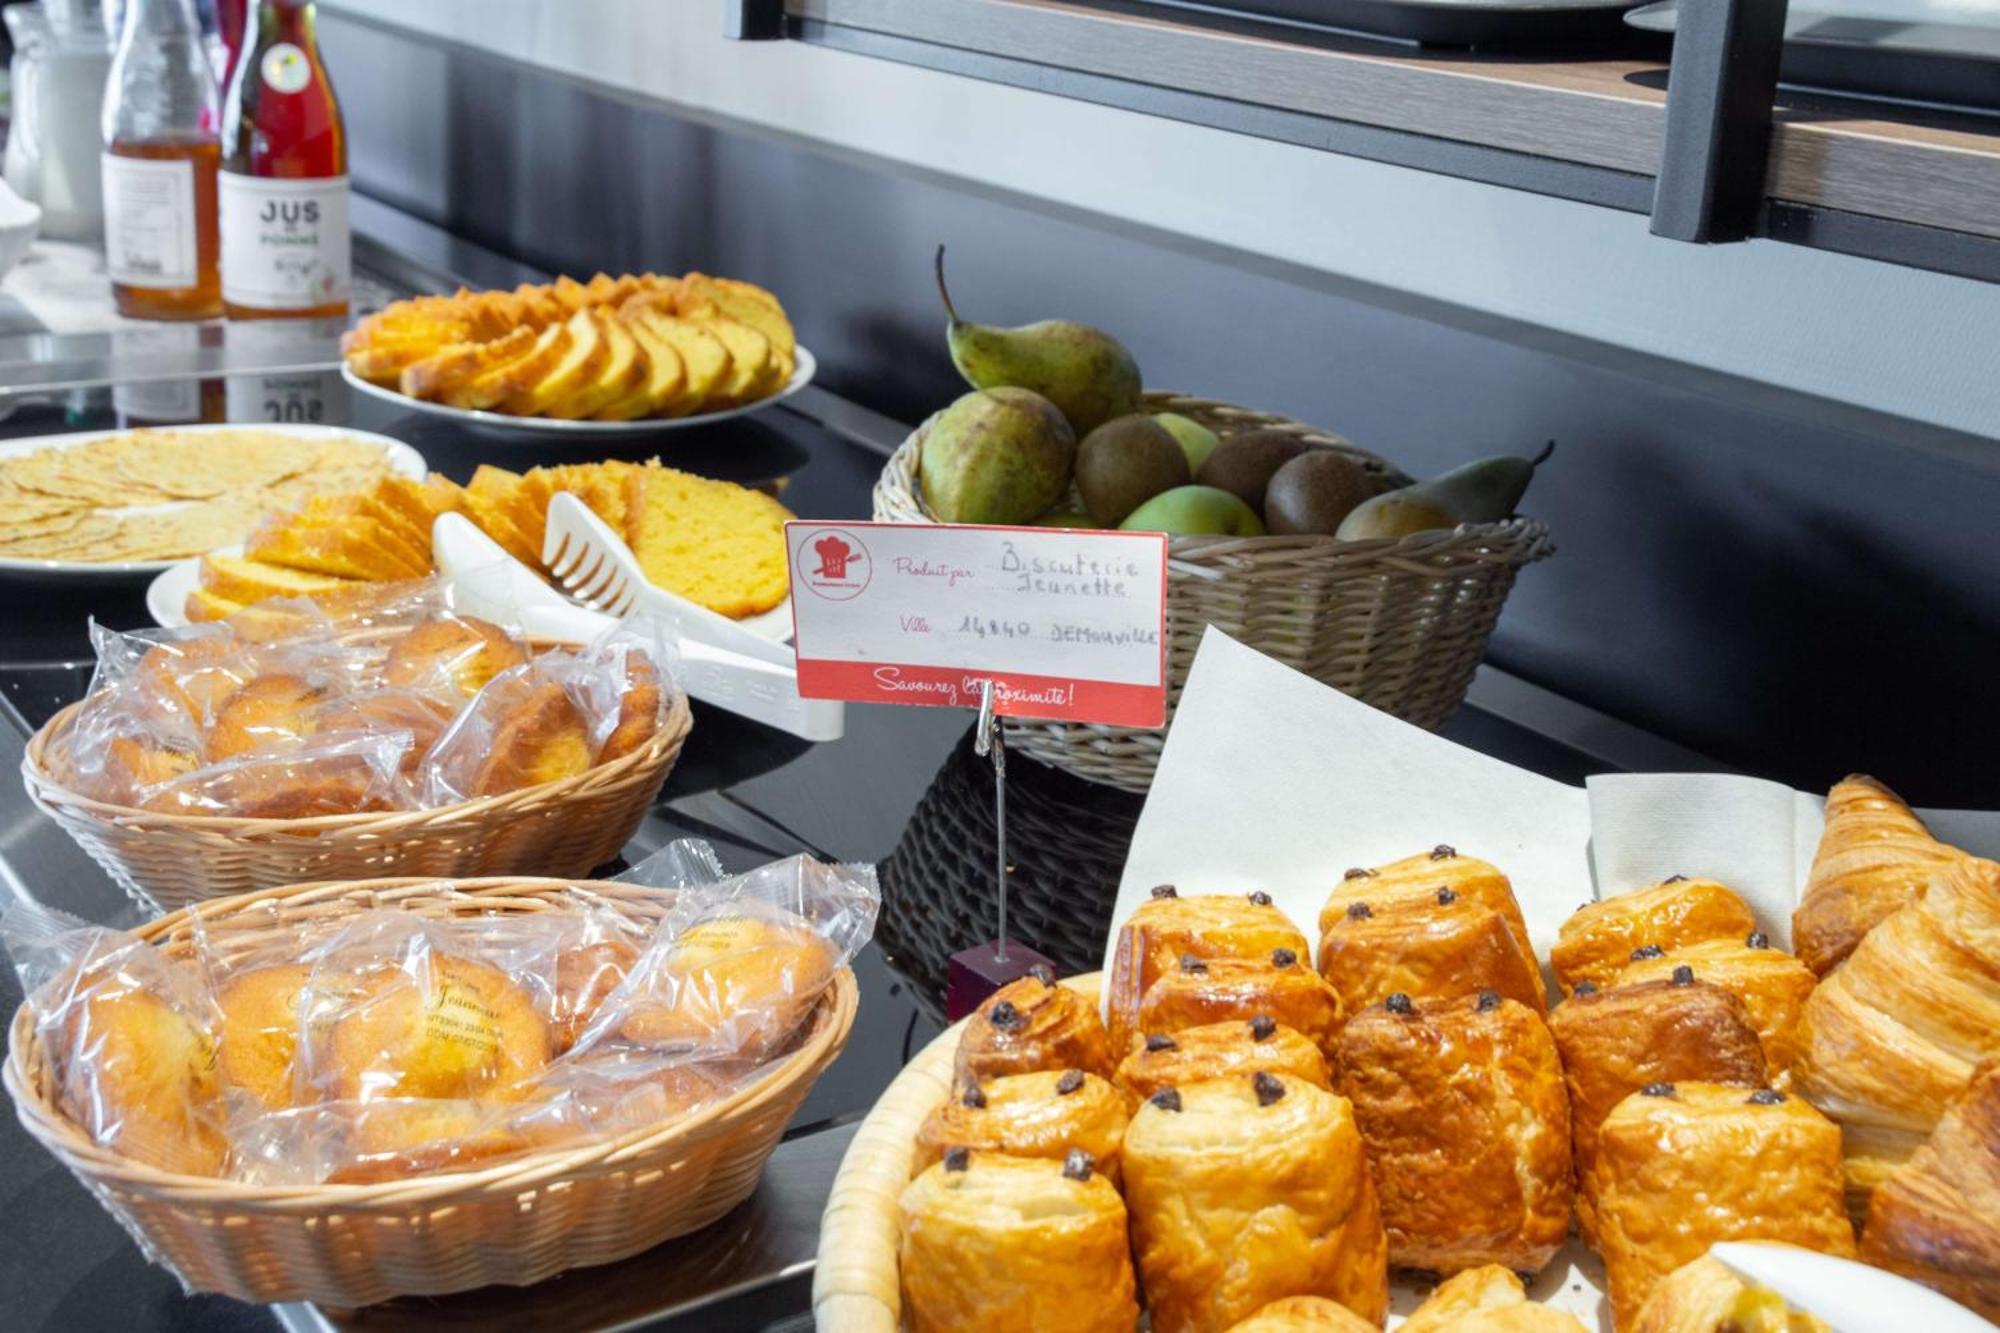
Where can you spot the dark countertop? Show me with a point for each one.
(901, 788)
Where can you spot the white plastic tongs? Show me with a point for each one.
(486, 581)
(1850, 1297)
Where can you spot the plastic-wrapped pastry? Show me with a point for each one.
(1420, 877)
(1489, 1299)
(1705, 1297)
(441, 1026)
(452, 654)
(1219, 1050)
(1043, 1114)
(1284, 986)
(1874, 856)
(586, 973)
(1245, 1189)
(1461, 1104)
(1600, 938)
(259, 1033)
(1434, 946)
(1169, 927)
(737, 984)
(134, 1065)
(1937, 1218)
(1304, 1314)
(1615, 1042)
(1015, 1245)
(1673, 1174)
(1772, 984)
(270, 713)
(1032, 1023)
(1892, 1035)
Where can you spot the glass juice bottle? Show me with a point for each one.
(159, 165)
(285, 239)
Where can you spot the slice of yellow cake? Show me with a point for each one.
(235, 578)
(715, 543)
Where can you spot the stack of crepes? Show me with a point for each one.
(715, 543)
(161, 495)
(288, 712)
(613, 349)
(382, 1043)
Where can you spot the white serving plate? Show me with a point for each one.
(803, 369)
(166, 600)
(402, 458)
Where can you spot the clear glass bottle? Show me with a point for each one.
(286, 247)
(160, 156)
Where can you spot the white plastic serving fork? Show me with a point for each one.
(488, 582)
(1851, 1297)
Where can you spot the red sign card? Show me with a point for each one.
(1068, 625)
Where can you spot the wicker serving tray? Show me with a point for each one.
(515, 1223)
(1398, 624)
(566, 827)
(857, 1287)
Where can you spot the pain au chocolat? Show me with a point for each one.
(1170, 926)
(1283, 987)
(1015, 1245)
(1043, 1114)
(1423, 877)
(1218, 1050)
(1600, 938)
(1032, 1023)
(1245, 1189)
(1680, 1166)
(1462, 1106)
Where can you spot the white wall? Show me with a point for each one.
(1915, 344)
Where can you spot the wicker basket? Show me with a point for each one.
(856, 1286)
(1066, 847)
(566, 827)
(1397, 624)
(515, 1223)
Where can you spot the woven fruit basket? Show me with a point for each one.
(857, 1286)
(1400, 624)
(566, 827)
(515, 1223)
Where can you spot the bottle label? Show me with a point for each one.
(285, 243)
(149, 222)
(286, 69)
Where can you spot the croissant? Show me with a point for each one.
(1874, 857)
(1937, 1218)
(1892, 1036)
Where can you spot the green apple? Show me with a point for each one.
(1196, 440)
(1187, 511)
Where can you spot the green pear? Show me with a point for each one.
(1482, 492)
(1189, 511)
(996, 456)
(1085, 372)
(1196, 440)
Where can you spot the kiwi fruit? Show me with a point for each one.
(1314, 492)
(1244, 463)
(1124, 463)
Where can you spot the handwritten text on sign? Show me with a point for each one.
(1067, 625)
